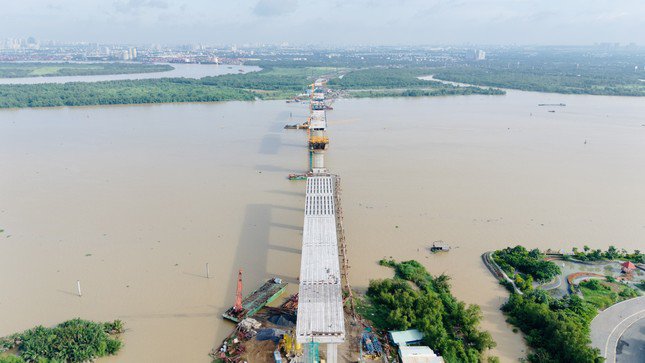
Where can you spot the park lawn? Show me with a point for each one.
(43, 71)
(606, 296)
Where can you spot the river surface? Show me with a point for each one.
(133, 201)
(181, 70)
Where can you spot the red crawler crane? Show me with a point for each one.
(238, 294)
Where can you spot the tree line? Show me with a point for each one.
(450, 327)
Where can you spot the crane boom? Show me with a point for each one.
(238, 293)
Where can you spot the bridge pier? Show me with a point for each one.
(332, 353)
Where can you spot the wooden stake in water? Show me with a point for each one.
(208, 274)
(78, 287)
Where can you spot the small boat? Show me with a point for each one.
(439, 246)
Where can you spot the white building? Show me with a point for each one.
(419, 354)
(480, 55)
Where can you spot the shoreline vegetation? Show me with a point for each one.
(65, 69)
(552, 79)
(272, 83)
(72, 341)
(558, 329)
(415, 299)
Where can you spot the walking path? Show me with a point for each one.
(610, 324)
(497, 271)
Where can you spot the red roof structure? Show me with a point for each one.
(628, 266)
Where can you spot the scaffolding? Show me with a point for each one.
(342, 244)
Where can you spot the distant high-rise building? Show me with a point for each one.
(125, 55)
(480, 55)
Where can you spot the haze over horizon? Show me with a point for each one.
(334, 22)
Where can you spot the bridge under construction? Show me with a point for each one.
(323, 267)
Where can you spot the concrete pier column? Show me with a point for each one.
(318, 161)
(332, 353)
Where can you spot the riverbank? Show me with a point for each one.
(598, 80)
(269, 84)
(557, 327)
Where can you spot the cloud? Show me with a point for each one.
(135, 5)
(269, 8)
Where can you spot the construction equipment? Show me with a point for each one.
(318, 142)
(238, 293)
(250, 305)
(290, 346)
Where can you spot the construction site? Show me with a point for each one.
(319, 323)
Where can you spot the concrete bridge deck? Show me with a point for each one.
(320, 306)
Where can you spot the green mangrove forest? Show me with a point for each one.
(69, 342)
(450, 327)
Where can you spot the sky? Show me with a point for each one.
(327, 22)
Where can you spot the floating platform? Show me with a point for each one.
(299, 176)
(257, 300)
(440, 247)
(297, 126)
(552, 104)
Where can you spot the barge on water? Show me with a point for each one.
(256, 300)
(299, 176)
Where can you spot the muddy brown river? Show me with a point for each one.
(133, 201)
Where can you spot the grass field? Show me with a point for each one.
(14, 70)
(603, 294)
(44, 71)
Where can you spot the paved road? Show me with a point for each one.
(631, 346)
(609, 326)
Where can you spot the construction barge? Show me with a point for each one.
(259, 298)
(297, 126)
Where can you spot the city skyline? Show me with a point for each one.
(367, 22)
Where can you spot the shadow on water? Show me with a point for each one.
(295, 194)
(252, 249)
(293, 209)
(286, 249)
(195, 275)
(273, 168)
(75, 294)
(297, 146)
(278, 126)
(287, 226)
(270, 144)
